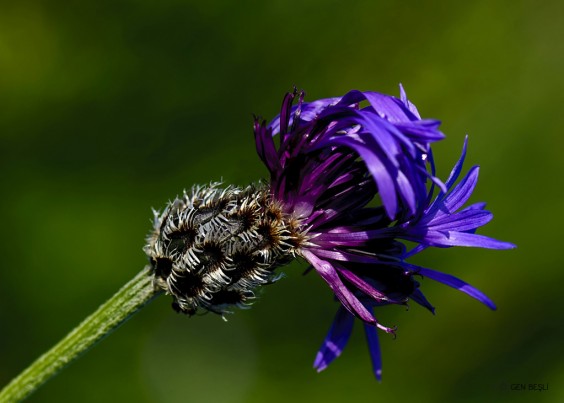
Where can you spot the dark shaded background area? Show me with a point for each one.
(109, 108)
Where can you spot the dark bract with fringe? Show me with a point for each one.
(212, 247)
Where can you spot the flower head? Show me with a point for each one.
(335, 158)
(351, 179)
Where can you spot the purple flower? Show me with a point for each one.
(335, 158)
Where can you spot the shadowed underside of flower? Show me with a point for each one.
(358, 174)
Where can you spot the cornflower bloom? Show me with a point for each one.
(351, 179)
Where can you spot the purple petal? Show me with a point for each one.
(454, 238)
(265, 147)
(309, 112)
(420, 298)
(384, 179)
(330, 275)
(463, 221)
(345, 256)
(415, 250)
(434, 180)
(343, 236)
(456, 198)
(455, 173)
(476, 206)
(374, 348)
(410, 106)
(286, 112)
(407, 192)
(384, 133)
(336, 339)
(460, 285)
(363, 285)
(462, 192)
(426, 130)
(389, 108)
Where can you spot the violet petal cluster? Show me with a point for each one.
(358, 173)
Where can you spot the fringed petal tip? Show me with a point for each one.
(378, 375)
(507, 245)
(319, 364)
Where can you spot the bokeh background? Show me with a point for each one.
(109, 108)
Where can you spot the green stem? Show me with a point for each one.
(114, 312)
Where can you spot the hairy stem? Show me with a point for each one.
(108, 317)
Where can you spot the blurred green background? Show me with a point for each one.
(108, 108)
